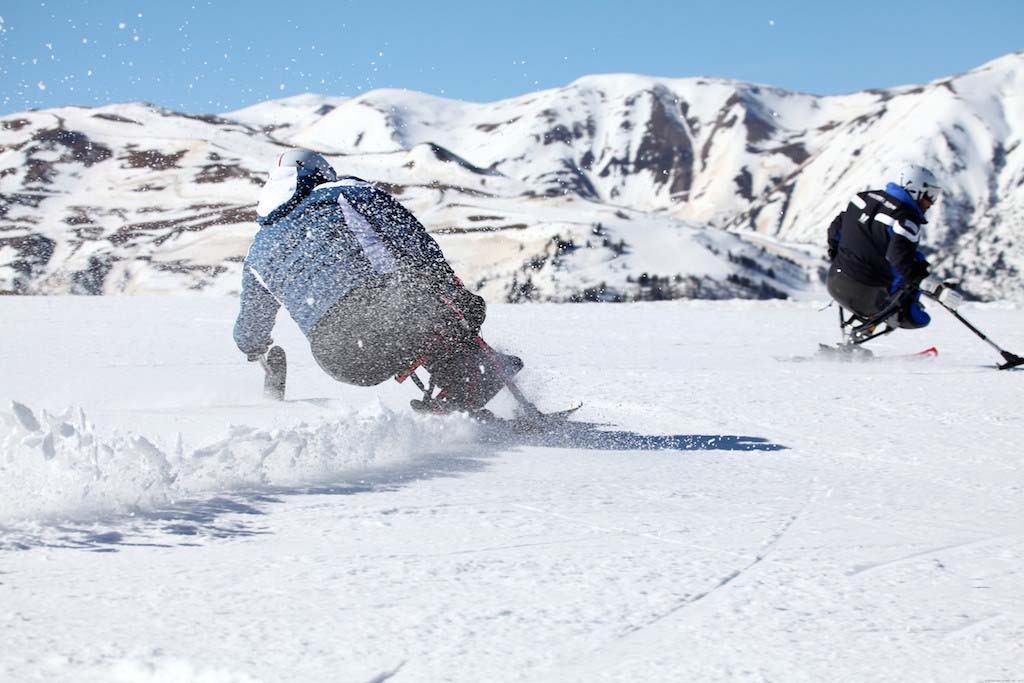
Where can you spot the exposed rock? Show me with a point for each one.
(116, 118)
(33, 254)
(745, 184)
(77, 146)
(666, 150)
(15, 124)
(151, 158)
(218, 173)
(90, 281)
(442, 154)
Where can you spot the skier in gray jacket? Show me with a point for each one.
(366, 284)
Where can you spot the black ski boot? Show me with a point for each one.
(471, 377)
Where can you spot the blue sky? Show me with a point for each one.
(210, 56)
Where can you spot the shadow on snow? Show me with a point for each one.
(590, 436)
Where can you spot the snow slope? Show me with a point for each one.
(735, 518)
(555, 195)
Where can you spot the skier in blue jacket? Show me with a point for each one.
(366, 284)
(873, 246)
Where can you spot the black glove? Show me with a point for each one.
(918, 271)
(257, 356)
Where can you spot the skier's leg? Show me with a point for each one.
(379, 332)
(372, 334)
(863, 300)
(912, 315)
(471, 373)
(465, 369)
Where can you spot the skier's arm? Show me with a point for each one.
(256, 315)
(902, 252)
(472, 306)
(432, 259)
(833, 235)
(430, 253)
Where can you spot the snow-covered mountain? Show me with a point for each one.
(615, 186)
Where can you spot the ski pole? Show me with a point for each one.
(513, 388)
(1012, 359)
(523, 401)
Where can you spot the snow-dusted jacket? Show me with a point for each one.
(875, 240)
(315, 245)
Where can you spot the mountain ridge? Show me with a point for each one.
(719, 187)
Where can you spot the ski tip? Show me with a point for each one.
(561, 414)
(930, 352)
(538, 418)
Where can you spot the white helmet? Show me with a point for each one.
(294, 175)
(307, 163)
(919, 182)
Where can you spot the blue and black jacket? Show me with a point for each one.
(319, 245)
(875, 239)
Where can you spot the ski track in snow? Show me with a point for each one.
(610, 653)
(729, 517)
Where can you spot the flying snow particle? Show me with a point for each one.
(135, 38)
(89, 72)
(281, 87)
(121, 26)
(771, 22)
(49, 46)
(85, 41)
(41, 85)
(139, 15)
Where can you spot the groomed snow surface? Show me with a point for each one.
(736, 517)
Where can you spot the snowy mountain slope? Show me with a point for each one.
(337, 537)
(131, 199)
(644, 164)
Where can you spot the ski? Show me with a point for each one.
(537, 420)
(538, 423)
(524, 422)
(857, 354)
